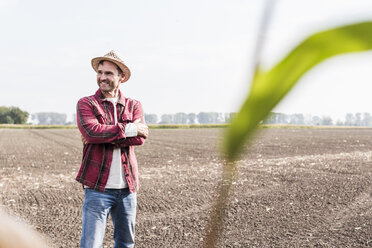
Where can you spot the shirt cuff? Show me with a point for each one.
(130, 130)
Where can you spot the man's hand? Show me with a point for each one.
(142, 129)
(84, 140)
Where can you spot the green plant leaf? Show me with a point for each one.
(268, 88)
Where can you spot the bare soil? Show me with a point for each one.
(296, 187)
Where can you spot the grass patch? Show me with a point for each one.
(184, 126)
(151, 126)
(172, 126)
(305, 126)
(28, 126)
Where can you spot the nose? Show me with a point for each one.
(101, 77)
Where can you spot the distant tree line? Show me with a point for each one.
(190, 118)
(357, 119)
(12, 115)
(298, 119)
(49, 118)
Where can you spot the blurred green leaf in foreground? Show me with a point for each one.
(268, 88)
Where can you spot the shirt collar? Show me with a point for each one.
(100, 96)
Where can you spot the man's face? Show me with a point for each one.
(108, 78)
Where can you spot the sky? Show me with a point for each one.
(185, 56)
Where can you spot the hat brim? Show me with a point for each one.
(122, 66)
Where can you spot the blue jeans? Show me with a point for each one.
(96, 208)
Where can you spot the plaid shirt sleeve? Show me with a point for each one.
(137, 114)
(91, 129)
(134, 141)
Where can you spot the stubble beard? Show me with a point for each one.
(110, 87)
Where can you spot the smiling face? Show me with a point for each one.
(109, 78)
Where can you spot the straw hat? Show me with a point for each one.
(114, 58)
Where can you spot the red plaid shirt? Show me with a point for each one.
(95, 119)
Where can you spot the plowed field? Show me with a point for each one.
(296, 187)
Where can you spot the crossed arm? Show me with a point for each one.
(142, 133)
(94, 132)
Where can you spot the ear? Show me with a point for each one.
(122, 78)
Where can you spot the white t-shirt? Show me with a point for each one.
(116, 179)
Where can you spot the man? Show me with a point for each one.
(111, 125)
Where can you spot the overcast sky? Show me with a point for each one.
(185, 56)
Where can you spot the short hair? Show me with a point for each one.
(117, 67)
